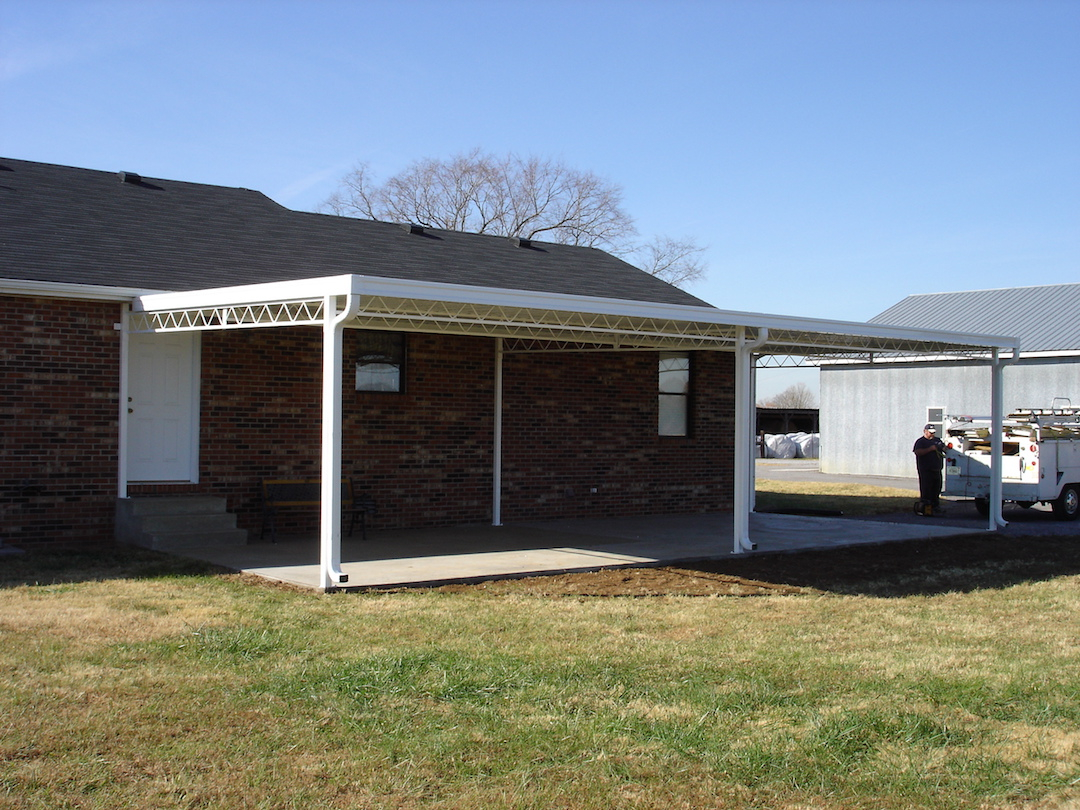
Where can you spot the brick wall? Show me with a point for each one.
(581, 437)
(573, 423)
(59, 371)
(425, 454)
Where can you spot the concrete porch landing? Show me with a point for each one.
(415, 557)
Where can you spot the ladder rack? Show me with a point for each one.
(1042, 423)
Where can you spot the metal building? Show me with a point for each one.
(872, 413)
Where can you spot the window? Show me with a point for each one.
(674, 399)
(380, 362)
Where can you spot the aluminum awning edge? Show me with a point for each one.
(406, 305)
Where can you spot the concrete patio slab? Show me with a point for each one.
(403, 558)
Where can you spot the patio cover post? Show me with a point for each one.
(997, 417)
(744, 415)
(330, 574)
(122, 456)
(496, 452)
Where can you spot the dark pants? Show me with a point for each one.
(930, 486)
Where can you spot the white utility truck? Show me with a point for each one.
(1040, 459)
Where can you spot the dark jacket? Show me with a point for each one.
(929, 461)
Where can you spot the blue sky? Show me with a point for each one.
(834, 156)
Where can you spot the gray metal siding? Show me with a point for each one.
(870, 417)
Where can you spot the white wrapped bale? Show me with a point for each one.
(809, 444)
(777, 445)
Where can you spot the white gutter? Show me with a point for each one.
(87, 292)
(744, 416)
(330, 572)
(273, 291)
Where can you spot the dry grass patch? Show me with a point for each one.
(850, 499)
(95, 613)
(142, 686)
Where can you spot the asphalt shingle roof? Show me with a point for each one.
(1045, 318)
(80, 226)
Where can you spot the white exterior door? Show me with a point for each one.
(162, 421)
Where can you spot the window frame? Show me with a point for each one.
(683, 412)
(394, 350)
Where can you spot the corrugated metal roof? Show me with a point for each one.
(1045, 318)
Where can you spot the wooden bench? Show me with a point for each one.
(288, 492)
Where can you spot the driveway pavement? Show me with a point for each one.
(807, 469)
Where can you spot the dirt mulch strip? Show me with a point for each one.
(891, 569)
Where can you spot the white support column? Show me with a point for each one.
(330, 573)
(744, 418)
(996, 418)
(125, 406)
(752, 438)
(496, 452)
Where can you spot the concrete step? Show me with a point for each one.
(176, 522)
(191, 521)
(176, 541)
(175, 505)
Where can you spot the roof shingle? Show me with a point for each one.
(80, 226)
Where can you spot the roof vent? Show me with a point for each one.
(412, 227)
(520, 241)
(130, 177)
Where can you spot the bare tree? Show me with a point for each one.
(513, 196)
(794, 396)
(676, 261)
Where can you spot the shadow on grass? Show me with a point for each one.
(916, 567)
(1035, 547)
(56, 567)
(832, 503)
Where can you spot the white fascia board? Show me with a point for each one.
(303, 289)
(401, 288)
(866, 330)
(1044, 354)
(274, 291)
(53, 289)
(1068, 356)
(523, 299)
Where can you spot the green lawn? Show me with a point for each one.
(132, 680)
(850, 499)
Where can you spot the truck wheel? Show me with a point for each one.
(982, 506)
(1067, 505)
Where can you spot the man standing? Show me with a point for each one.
(929, 458)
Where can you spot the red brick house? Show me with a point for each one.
(162, 337)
